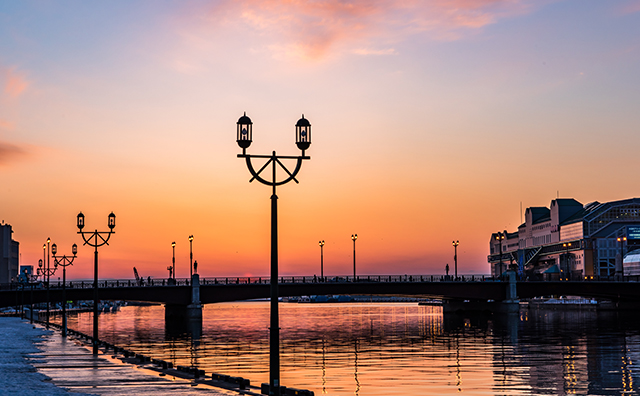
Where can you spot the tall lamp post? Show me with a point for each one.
(321, 243)
(455, 257)
(190, 257)
(500, 238)
(622, 240)
(48, 271)
(303, 141)
(33, 279)
(566, 245)
(173, 259)
(64, 261)
(353, 238)
(96, 239)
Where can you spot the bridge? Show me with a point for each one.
(216, 290)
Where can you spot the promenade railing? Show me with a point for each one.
(257, 280)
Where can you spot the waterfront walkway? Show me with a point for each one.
(36, 361)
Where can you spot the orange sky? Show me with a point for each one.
(432, 121)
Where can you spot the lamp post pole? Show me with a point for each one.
(173, 259)
(353, 238)
(64, 261)
(321, 243)
(566, 245)
(190, 257)
(455, 257)
(48, 271)
(303, 141)
(96, 239)
(33, 279)
(622, 240)
(500, 238)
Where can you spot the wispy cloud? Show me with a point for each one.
(630, 8)
(6, 125)
(314, 29)
(370, 51)
(15, 82)
(10, 152)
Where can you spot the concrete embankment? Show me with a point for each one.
(36, 361)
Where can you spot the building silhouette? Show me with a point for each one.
(569, 240)
(9, 253)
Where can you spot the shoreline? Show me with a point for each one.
(40, 361)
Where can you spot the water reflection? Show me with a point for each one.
(394, 349)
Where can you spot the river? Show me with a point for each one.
(394, 349)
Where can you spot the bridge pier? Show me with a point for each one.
(511, 304)
(180, 318)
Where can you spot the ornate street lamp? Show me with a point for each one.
(321, 243)
(353, 238)
(455, 257)
(96, 239)
(32, 280)
(64, 261)
(303, 140)
(500, 238)
(190, 258)
(47, 271)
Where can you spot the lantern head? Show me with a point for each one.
(40, 263)
(74, 249)
(303, 133)
(54, 249)
(245, 131)
(354, 237)
(80, 221)
(112, 221)
(190, 238)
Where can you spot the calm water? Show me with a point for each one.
(395, 349)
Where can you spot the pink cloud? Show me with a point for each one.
(15, 83)
(311, 29)
(6, 125)
(630, 8)
(10, 152)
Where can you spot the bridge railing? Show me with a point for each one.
(149, 282)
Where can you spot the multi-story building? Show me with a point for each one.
(569, 239)
(9, 253)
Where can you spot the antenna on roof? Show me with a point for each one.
(520, 212)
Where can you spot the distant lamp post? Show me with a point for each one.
(96, 239)
(622, 240)
(303, 141)
(64, 261)
(47, 271)
(455, 257)
(353, 238)
(321, 243)
(500, 238)
(190, 256)
(173, 260)
(564, 275)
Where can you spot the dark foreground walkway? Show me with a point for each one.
(36, 361)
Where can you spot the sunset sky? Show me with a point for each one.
(432, 121)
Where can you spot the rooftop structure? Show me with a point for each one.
(9, 253)
(580, 240)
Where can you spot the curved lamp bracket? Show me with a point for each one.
(95, 238)
(274, 160)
